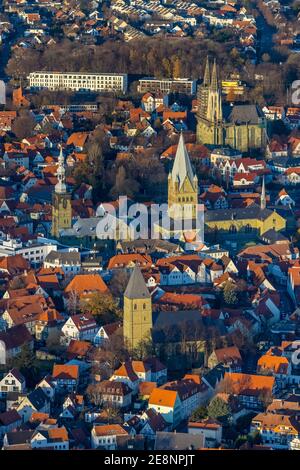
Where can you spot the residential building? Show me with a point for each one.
(105, 437)
(78, 81)
(167, 85)
(13, 381)
(168, 404)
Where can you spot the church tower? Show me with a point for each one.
(182, 186)
(61, 201)
(202, 94)
(210, 115)
(137, 319)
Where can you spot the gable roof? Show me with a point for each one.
(83, 283)
(163, 397)
(9, 417)
(228, 354)
(37, 398)
(126, 370)
(277, 364)
(64, 371)
(250, 384)
(110, 430)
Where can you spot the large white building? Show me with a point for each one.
(167, 85)
(34, 251)
(77, 81)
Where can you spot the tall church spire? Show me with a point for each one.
(206, 78)
(214, 103)
(60, 187)
(214, 77)
(263, 203)
(182, 167)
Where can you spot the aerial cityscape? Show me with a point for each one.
(150, 226)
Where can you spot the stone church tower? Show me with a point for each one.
(61, 201)
(241, 126)
(210, 115)
(137, 319)
(182, 186)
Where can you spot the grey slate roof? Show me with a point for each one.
(136, 287)
(251, 212)
(19, 437)
(37, 398)
(147, 245)
(182, 167)
(214, 375)
(178, 441)
(72, 257)
(271, 236)
(244, 114)
(170, 326)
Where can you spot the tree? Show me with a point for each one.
(176, 67)
(229, 294)
(53, 342)
(95, 154)
(266, 398)
(94, 394)
(107, 358)
(73, 302)
(103, 307)
(199, 414)
(23, 125)
(218, 409)
(144, 349)
(118, 283)
(123, 185)
(226, 386)
(25, 362)
(240, 440)
(113, 414)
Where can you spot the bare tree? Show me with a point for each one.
(94, 393)
(73, 302)
(23, 125)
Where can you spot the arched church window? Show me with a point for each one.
(232, 229)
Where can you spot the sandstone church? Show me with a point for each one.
(241, 126)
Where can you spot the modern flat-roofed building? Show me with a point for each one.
(77, 81)
(167, 85)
